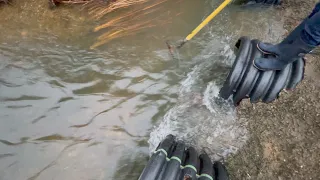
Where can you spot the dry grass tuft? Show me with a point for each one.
(123, 17)
(136, 16)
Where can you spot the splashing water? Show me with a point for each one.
(201, 118)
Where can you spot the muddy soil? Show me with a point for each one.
(284, 142)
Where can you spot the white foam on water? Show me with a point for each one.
(200, 118)
(211, 91)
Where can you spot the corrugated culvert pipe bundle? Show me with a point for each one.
(245, 81)
(173, 160)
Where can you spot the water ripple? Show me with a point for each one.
(24, 98)
(6, 155)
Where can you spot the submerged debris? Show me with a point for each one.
(136, 16)
(55, 3)
(126, 23)
(4, 2)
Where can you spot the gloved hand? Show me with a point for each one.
(174, 161)
(281, 54)
(299, 42)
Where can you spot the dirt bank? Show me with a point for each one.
(285, 135)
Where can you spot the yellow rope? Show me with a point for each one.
(208, 19)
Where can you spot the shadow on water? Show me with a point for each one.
(130, 166)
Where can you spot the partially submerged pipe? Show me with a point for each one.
(245, 81)
(173, 160)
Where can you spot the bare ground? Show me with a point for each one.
(285, 134)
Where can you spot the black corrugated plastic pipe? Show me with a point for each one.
(173, 160)
(245, 81)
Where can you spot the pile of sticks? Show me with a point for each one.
(120, 18)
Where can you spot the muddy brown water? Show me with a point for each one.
(69, 112)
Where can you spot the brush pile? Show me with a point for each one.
(127, 17)
(123, 17)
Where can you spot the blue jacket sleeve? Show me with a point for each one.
(311, 32)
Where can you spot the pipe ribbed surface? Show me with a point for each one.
(173, 160)
(245, 81)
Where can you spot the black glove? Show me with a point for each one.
(173, 161)
(281, 54)
(292, 48)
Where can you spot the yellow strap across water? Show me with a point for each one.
(208, 19)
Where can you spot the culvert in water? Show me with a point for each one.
(245, 81)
